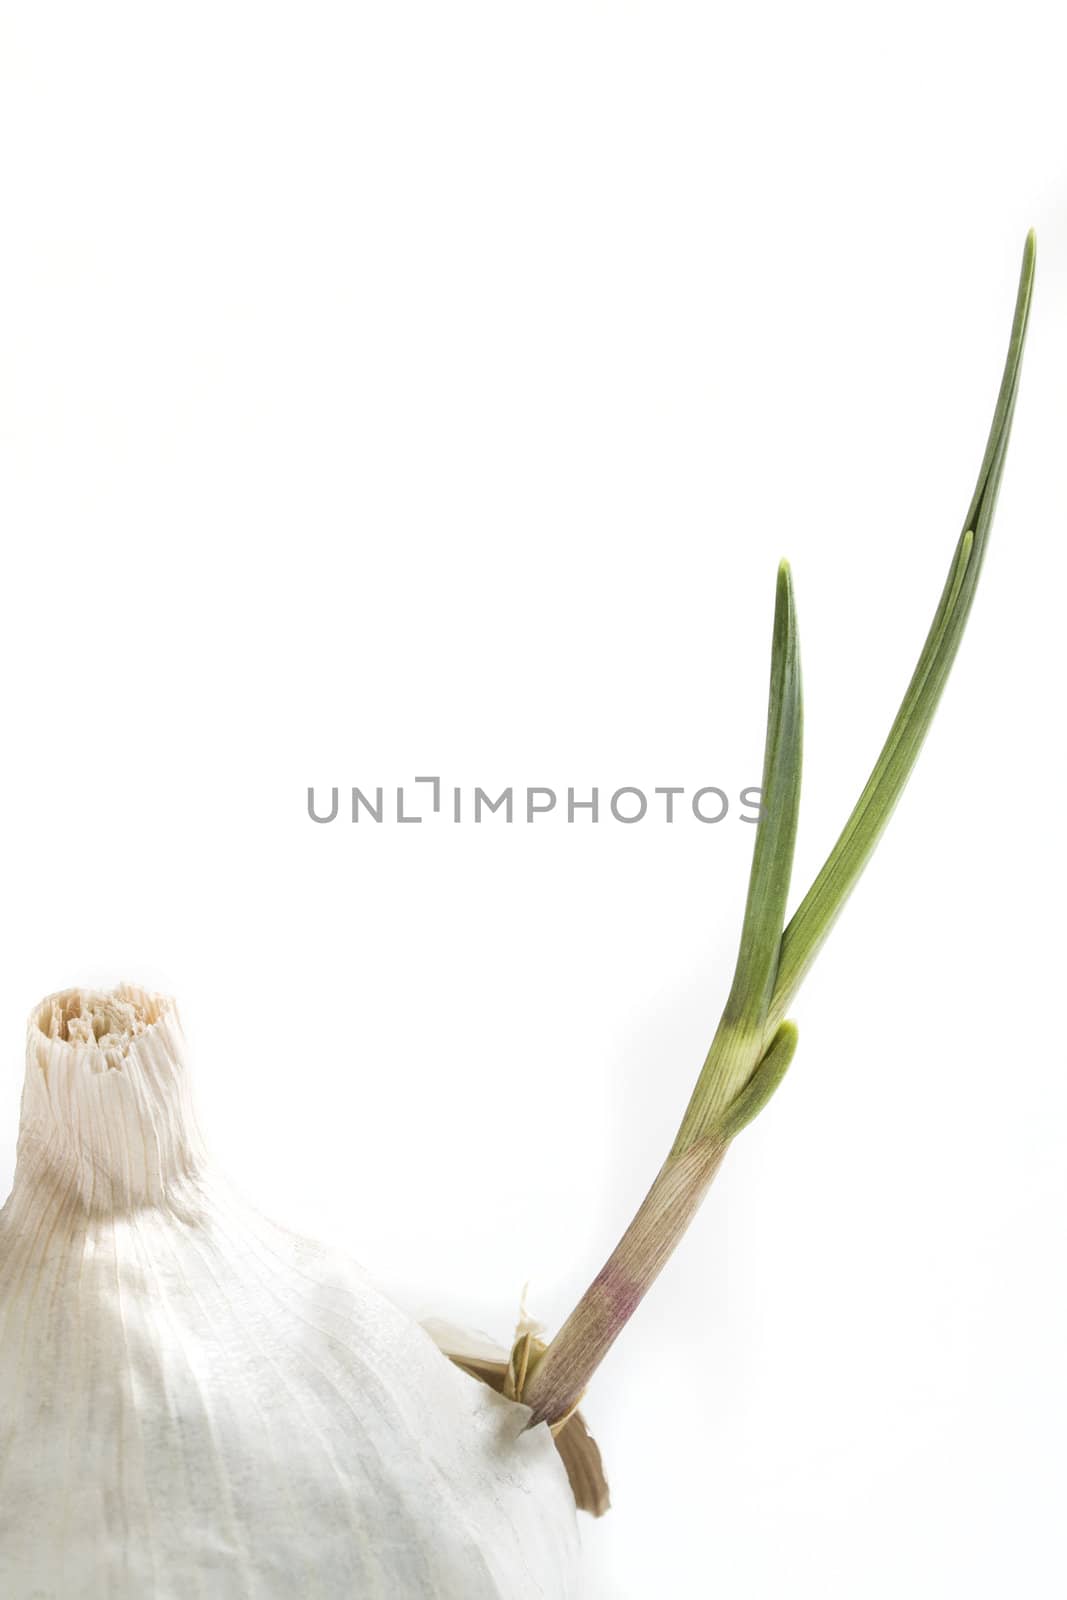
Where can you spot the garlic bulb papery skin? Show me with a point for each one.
(195, 1402)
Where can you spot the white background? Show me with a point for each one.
(433, 389)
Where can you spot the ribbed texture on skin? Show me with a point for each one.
(112, 1118)
(197, 1405)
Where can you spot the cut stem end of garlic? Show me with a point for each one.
(104, 1022)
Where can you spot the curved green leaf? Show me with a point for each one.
(817, 911)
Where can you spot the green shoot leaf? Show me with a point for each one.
(762, 1084)
(819, 908)
(739, 1041)
(772, 856)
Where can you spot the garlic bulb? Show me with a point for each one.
(195, 1402)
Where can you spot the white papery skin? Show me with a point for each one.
(197, 1403)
